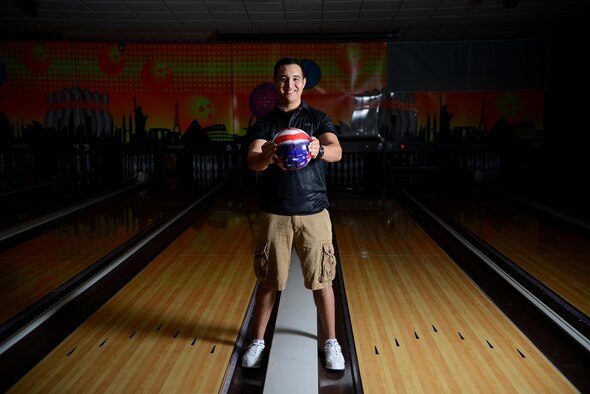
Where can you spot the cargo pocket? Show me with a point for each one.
(328, 263)
(261, 264)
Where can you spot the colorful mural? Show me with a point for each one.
(134, 92)
(108, 90)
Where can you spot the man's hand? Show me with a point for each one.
(268, 150)
(261, 154)
(314, 147)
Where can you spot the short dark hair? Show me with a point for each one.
(286, 61)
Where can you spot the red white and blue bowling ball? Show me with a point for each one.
(292, 149)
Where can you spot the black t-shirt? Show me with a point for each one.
(302, 191)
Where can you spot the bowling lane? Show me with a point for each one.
(554, 254)
(36, 200)
(174, 326)
(35, 268)
(420, 324)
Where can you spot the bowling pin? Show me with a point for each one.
(50, 115)
(108, 117)
(98, 115)
(76, 108)
(57, 122)
(67, 109)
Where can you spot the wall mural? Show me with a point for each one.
(138, 91)
(195, 94)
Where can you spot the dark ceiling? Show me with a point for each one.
(195, 21)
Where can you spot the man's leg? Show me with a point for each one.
(265, 301)
(324, 301)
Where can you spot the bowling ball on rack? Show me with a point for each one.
(292, 149)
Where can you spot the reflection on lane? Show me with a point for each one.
(553, 254)
(34, 268)
(421, 315)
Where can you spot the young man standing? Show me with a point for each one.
(294, 211)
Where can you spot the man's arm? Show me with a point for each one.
(261, 154)
(332, 148)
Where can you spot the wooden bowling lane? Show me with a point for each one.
(172, 328)
(420, 324)
(552, 253)
(33, 269)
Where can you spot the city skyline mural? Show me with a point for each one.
(111, 90)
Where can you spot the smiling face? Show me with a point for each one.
(290, 83)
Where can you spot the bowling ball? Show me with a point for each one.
(111, 60)
(313, 73)
(37, 58)
(262, 99)
(292, 149)
(156, 75)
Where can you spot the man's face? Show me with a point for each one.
(290, 84)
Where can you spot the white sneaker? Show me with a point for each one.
(334, 357)
(253, 356)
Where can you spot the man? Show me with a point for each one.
(294, 211)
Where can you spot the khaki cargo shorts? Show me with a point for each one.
(310, 235)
